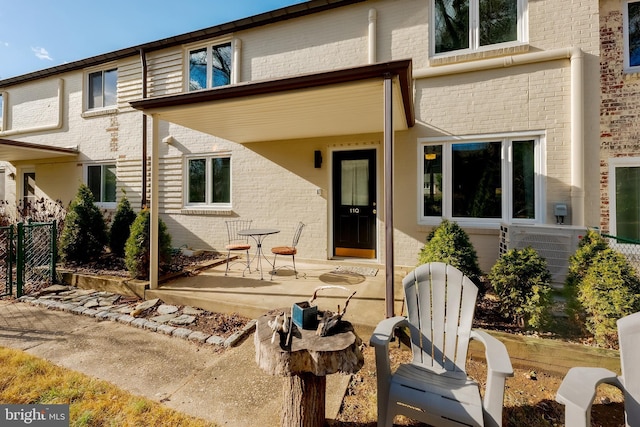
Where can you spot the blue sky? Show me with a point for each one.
(38, 34)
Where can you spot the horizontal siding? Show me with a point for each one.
(170, 185)
(165, 73)
(129, 83)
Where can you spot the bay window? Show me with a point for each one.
(209, 181)
(469, 25)
(480, 181)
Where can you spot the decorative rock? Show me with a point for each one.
(181, 332)
(54, 289)
(192, 311)
(198, 336)
(166, 309)
(147, 304)
(182, 320)
(215, 340)
(92, 303)
(166, 329)
(164, 318)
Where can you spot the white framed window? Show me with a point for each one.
(102, 89)
(463, 26)
(102, 181)
(481, 181)
(631, 34)
(624, 197)
(208, 181)
(209, 66)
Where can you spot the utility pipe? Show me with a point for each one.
(576, 56)
(237, 56)
(55, 126)
(388, 194)
(373, 41)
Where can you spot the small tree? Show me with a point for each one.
(609, 290)
(137, 254)
(84, 235)
(521, 280)
(450, 244)
(120, 228)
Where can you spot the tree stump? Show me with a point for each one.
(306, 362)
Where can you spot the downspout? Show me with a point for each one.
(388, 194)
(237, 56)
(143, 201)
(55, 126)
(373, 41)
(576, 56)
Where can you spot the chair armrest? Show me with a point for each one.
(383, 333)
(578, 389)
(498, 361)
(498, 369)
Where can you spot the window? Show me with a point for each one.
(624, 194)
(631, 30)
(101, 180)
(210, 67)
(484, 181)
(209, 181)
(102, 89)
(475, 24)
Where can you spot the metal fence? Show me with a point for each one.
(627, 247)
(28, 254)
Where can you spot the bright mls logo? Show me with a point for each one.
(34, 415)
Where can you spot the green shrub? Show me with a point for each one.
(450, 244)
(137, 254)
(609, 290)
(120, 228)
(521, 280)
(84, 235)
(588, 249)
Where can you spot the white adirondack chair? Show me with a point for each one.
(434, 388)
(578, 387)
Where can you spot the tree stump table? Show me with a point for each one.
(306, 361)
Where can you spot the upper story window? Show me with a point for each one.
(631, 30)
(209, 181)
(101, 180)
(102, 89)
(210, 66)
(482, 181)
(469, 25)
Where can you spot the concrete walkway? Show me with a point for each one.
(223, 386)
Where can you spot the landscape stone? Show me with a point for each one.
(166, 309)
(92, 303)
(192, 311)
(147, 304)
(185, 319)
(164, 318)
(54, 289)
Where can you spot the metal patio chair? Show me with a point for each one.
(578, 388)
(237, 243)
(287, 251)
(434, 387)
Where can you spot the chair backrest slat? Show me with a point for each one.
(238, 225)
(440, 304)
(296, 235)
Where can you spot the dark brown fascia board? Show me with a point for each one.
(278, 15)
(402, 69)
(32, 146)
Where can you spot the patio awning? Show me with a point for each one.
(342, 102)
(14, 151)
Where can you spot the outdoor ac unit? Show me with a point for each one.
(554, 243)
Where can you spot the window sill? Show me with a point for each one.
(99, 112)
(453, 58)
(207, 211)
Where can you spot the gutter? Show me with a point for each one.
(576, 56)
(55, 126)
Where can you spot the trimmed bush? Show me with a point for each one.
(450, 244)
(121, 226)
(84, 235)
(521, 280)
(137, 254)
(609, 290)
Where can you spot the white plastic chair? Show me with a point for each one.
(578, 388)
(434, 387)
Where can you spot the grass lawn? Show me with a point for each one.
(26, 379)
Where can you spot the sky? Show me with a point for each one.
(38, 34)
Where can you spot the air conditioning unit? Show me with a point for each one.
(555, 243)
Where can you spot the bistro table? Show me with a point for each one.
(258, 234)
(306, 361)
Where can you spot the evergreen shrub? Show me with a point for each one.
(521, 280)
(120, 227)
(137, 254)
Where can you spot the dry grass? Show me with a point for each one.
(25, 379)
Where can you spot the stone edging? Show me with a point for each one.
(104, 313)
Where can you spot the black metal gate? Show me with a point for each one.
(28, 254)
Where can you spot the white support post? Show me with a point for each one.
(153, 206)
(388, 193)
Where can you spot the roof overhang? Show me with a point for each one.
(15, 151)
(342, 102)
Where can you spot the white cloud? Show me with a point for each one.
(41, 53)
